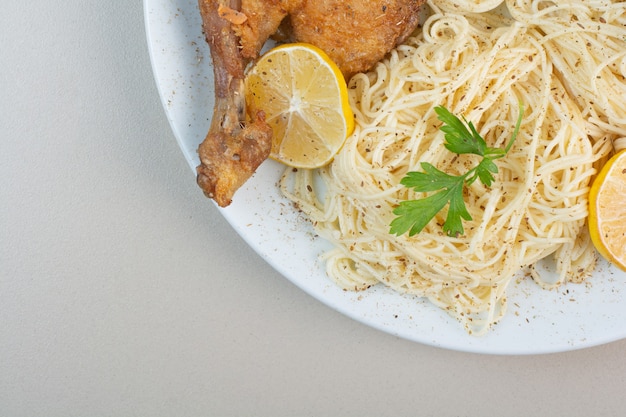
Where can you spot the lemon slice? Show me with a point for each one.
(305, 99)
(607, 210)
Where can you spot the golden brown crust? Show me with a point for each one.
(358, 33)
(263, 19)
(355, 34)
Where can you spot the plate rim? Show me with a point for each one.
(235, 213)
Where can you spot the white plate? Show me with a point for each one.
(538, 321)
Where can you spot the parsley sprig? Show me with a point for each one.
(461, 137)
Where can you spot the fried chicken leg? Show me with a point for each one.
(234, 146)
(354, 33)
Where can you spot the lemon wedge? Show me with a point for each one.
(607, 210)
(305, 99)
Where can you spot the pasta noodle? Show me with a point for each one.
(481, 64)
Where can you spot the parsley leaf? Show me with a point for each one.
(414, 215)
(458, 138)
(462, 138)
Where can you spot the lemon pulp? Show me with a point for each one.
(305, 100)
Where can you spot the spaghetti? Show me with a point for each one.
(479, 64)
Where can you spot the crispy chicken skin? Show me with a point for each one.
(354, 33)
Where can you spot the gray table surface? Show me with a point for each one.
(123, 291)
